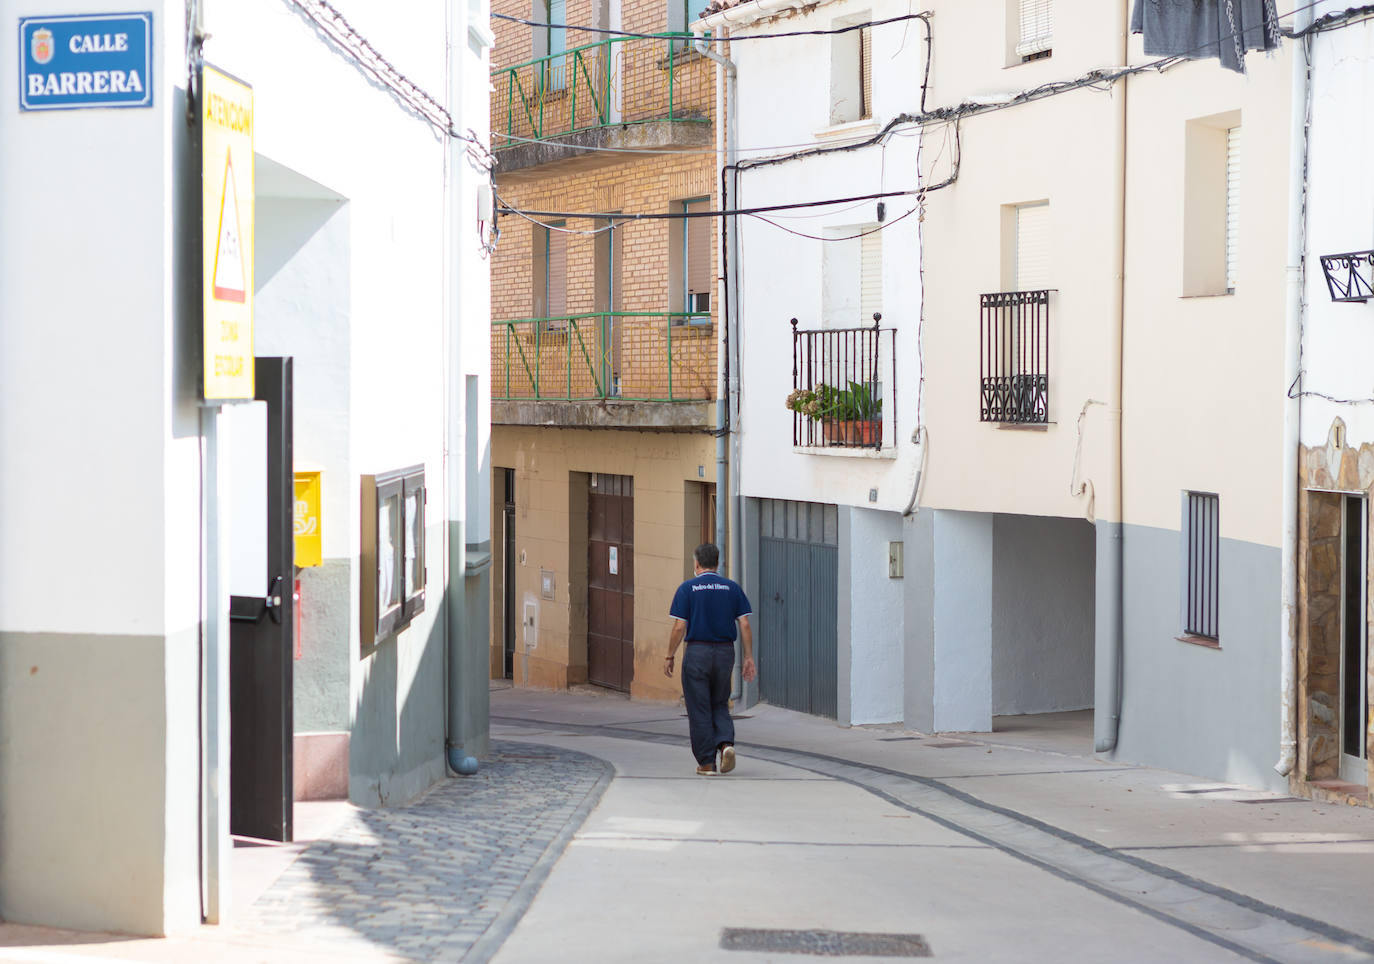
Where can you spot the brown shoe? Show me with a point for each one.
(706, 770)
(727, 758)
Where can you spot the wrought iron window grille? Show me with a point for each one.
(1350, 276)
(1014, 357)
(842, 378)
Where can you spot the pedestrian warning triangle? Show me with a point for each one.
(229, 273)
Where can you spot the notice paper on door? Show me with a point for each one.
(615, 561)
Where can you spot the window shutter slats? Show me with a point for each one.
(1037, 27)
(866, 72)
(698, 249)
(1032, 247)
(1232, 205)
(558, 274)
(870, 276)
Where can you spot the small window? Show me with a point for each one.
(1201, 549)
(1034, 29)
(1211, 204)
(393, 553)
(692, 247)
(550, 276)
(551, 40)
(851, 72)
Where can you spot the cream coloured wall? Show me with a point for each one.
(1061, 150)
(1204, 386)
(548, 537)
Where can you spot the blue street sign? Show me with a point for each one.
(103, 60)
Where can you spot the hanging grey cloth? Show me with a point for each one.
(1198, 29)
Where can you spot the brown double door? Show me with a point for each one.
(611, 581)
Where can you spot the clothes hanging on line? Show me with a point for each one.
(1198, 29)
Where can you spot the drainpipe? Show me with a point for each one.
(725, 146)
(1292, 410)
(1111, 623)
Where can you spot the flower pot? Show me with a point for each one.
(854, 432)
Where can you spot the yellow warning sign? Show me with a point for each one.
(227, 200)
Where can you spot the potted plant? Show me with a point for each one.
(848, 416)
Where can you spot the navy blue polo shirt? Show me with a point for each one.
(710, 604)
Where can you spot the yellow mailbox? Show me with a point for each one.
(309, 541)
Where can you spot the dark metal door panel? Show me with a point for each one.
(798, 630)
(798, 609)
(772, 621)
(823, 566)
(610, 587)
(261, 633)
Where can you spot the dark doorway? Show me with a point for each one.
(1354, 642)
(610, 581)
(261, 631)
(508, 574)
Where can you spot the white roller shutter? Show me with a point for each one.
(1037, 27)
(866, 72)
(870, 275)
(1232, 204)
(1032, 247)
(557, 281)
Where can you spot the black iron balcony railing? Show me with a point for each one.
(1014, 350)
(628, 355)
(840, 377)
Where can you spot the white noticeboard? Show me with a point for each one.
(615, 561)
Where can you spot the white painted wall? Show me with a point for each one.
(875, 624)
(963, 621)
(101, 435)
(99, 550)
(784, 274)
(1338, 339)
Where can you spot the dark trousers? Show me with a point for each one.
(706, 671)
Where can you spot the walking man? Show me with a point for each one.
(705, 610)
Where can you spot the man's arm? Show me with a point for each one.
(674, 641)
(746, 637)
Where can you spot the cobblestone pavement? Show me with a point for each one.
(446, 877)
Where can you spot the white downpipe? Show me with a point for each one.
(1292, 409)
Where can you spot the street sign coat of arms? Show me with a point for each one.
(41, 46)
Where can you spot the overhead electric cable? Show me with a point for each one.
(707, 38)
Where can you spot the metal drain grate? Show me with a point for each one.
(947, 744)
(824, 943)
(896, 739)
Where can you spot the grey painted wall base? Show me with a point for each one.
(396, 749)
(1210, 712)
(98, 781)
(321, 674)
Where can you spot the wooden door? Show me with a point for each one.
(610, 581)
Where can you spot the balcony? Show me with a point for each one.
(605, 370)
(841, 378)
(1014, 352)
(619, 93)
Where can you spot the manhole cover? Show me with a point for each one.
(824, 943)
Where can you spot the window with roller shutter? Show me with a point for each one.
(1032, 247)
(696, 261)
(1035, 29)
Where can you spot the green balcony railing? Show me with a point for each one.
(631, 355)
(624, 80)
